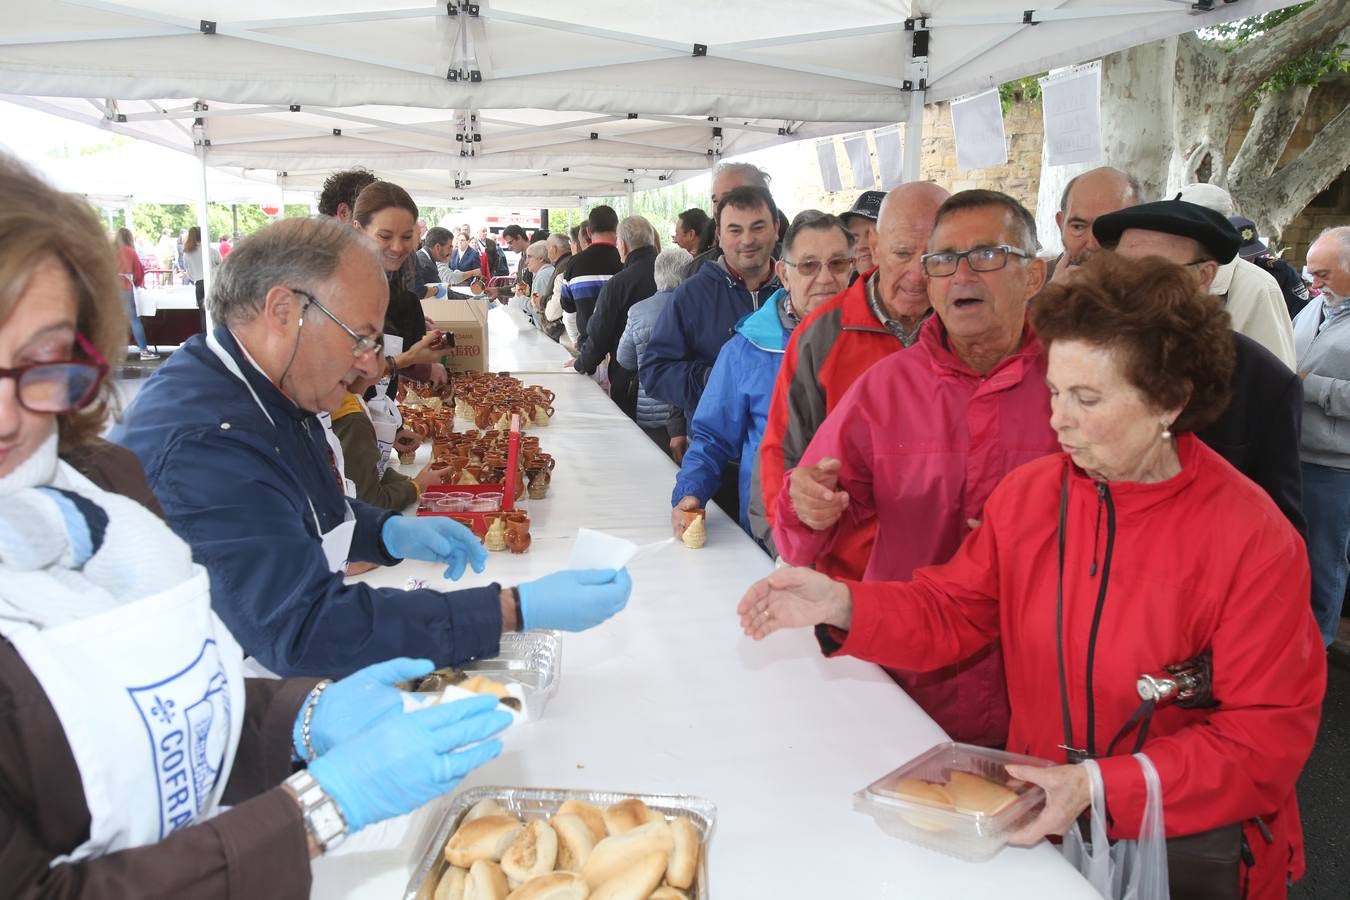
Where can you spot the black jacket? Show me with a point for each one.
(427, 273)
(1259, 432)
(634, 283)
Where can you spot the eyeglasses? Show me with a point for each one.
(365, 343)
(980, 259)
(60, 387)
(840, 265)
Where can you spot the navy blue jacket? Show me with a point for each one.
(691, 330)
(245, 493)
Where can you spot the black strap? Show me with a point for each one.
(1141, 718)
(1067, 746)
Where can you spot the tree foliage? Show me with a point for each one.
(148, 220)
(660, 206)
(1307, 69)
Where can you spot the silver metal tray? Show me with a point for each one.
(533, 659)
(535, 803)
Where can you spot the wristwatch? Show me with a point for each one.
(323, 818)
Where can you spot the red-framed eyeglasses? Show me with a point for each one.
(60, 387)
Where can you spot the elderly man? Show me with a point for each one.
(923, 436)
(1251, 295)
(1322, 333)
(1258, 433)
(689, 228)
(879, 314)
(635, 282)
(227, 433)
(559, 257)
(861, 221)
(817, 260)
(1089, 195)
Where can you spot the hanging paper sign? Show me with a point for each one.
(890, 158)
(1071, 102)
(829, 166)
(978, 124)
(860, 161)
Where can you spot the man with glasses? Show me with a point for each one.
(1259, 431)
(923, 436)
(228, 435)
(879, 314)
(817, 260)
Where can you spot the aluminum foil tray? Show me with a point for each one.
(535, 803)
(533, 659)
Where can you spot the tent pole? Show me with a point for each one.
(204, 223)
(914, 136)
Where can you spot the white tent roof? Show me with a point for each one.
(517, 100)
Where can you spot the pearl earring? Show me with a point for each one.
(1166, 432)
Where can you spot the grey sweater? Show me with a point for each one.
(1326, 389)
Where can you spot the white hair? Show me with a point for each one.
(671, 267)
(635, 232)
(1341, 235)
(537, 250)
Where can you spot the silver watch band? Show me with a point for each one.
(323, 818)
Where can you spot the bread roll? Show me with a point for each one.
(554, 886)
(684, 856)
(972, 793)
(483, 808)
(666, 892)
(451, 885)
(486, 882)
(618, 852)
(591, 815)
(627, 815)
(485, 838)
(928, 794)
(575, 841)
(636, 881)
(533, 852)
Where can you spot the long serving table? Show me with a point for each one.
(670, 697)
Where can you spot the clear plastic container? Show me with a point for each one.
(974, 822)
(486, 503)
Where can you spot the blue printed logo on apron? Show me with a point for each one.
(187, 718)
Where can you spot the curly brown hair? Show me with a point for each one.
(38, 225)
(1175, 340)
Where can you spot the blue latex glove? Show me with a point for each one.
(350, 706)
(574, 599)
(434, 539)
(408, 760)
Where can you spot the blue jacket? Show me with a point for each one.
(651, 413)
(735, 406)
(466, 261)
(700, 318)
(245, 493)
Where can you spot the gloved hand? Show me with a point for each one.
(434, 539)
(574, 599)
(409, 759)
(350, 706)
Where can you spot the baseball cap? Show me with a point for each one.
(1251, 241)
(868, 205)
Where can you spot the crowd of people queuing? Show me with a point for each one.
(980, 467)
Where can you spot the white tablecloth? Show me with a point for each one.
(670, 697)
(514, 345)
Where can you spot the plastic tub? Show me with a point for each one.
(960, 828)
(488, 502)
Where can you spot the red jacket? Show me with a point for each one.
(829, 350)
(924, 440)
(1201, 561)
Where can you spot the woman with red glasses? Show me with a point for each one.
(125, 720)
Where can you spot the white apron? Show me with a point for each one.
(150, 695)
(337, 542)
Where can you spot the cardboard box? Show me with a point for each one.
(467, 321)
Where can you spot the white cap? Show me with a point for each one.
(1210, 196)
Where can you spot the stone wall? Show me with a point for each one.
(1019, 176)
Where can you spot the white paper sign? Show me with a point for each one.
(978, 124)
(829, 166)
(860, 161)
(890, 158)
(1071, 103)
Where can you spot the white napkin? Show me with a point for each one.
(597, 550)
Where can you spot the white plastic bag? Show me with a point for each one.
(146, 303)
(1129, 870)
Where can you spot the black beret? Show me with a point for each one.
(1215, 233)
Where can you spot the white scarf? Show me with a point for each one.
(69, 549)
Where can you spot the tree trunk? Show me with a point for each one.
(1273, 124)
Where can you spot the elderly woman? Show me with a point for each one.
(541, 281)
(126, 720)
(1134, 548)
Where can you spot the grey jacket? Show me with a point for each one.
(642, 316)
(1326, 389)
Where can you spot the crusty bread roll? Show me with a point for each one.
(485, 838)
(486, 881)
(591, 815)
(451, 885)
(635, 881)
(666, 892)
(533, 852)
(972, 793)
(684, 855)
(483, 808)
(927, 794)
(618, 852)
(554, 886)
(575, 841)
(627, 815)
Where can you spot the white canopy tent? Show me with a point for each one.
(511, 101)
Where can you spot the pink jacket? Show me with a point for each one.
(923, 440)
